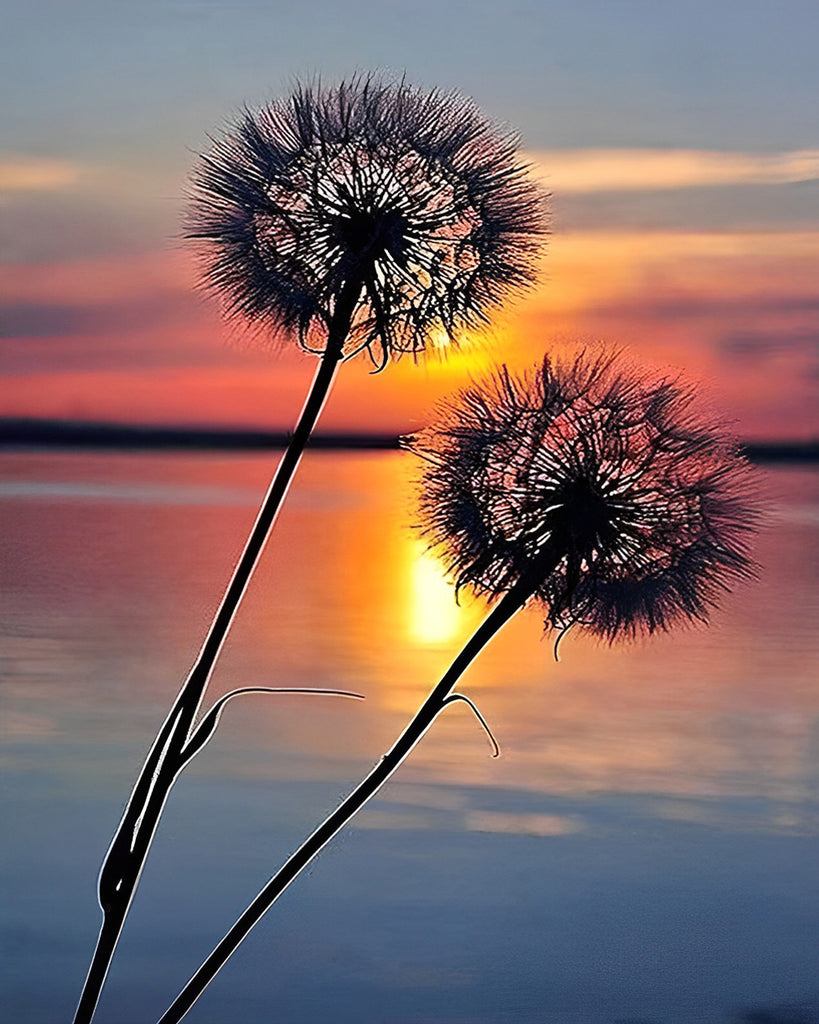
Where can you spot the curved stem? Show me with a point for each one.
(506, 608)
(207, 726)
(132, 840)
(456, 698)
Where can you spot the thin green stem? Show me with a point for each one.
(132, 841)
(438, 697)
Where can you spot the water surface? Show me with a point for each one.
(645, 848)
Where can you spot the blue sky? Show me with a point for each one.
(725, 75)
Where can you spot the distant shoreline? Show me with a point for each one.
(22, 433)
(32, 433)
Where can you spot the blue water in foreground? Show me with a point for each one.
(645, 849)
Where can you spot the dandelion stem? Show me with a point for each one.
(167, 757)
(514, 599)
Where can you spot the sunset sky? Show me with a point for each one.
(680, 142)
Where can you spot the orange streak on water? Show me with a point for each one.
(339, 601)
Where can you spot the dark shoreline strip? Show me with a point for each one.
(26, 433)
(35, 433)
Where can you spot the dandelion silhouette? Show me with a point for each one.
(593, 487)
(371, 216)
(588, 487)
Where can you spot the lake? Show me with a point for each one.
(645, 849)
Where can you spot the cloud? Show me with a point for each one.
(679, 304)
(37, 174)
(523, 824)
(629, 170)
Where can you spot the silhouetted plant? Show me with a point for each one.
(589, 487)
(405, 214)
(644, 500)
(371, 216)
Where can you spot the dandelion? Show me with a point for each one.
(587, 487)
(368, 217)
(372, 216)
(593, 486)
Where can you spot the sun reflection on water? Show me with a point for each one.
(725, 712)
(433, 615)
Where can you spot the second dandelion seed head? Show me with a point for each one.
(594, 484)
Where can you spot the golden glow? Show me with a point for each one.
(434, 617)
(439, 341)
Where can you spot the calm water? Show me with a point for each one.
(645, 849)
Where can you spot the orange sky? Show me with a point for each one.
(126, 336)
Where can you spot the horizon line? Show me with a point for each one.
(35, 432)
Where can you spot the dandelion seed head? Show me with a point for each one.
(644, 506)
(413, 196)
